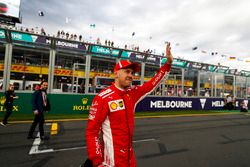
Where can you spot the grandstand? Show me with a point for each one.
(80, 68)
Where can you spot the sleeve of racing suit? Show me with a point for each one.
(153, 83)
(97, 115)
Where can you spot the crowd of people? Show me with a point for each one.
(230, 104)
(72, 36)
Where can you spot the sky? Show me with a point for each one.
(208, 31)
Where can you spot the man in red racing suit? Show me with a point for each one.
(109, 132)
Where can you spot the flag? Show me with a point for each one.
(194, 48)
(40, 13)
(67, 20)
(239, 59)
(92, 25)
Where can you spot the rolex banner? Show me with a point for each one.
(60, 103)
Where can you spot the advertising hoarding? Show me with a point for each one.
(10, 11)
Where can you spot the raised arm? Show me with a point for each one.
(149, 86)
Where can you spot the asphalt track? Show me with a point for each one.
(193, 141)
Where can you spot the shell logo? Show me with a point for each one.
(113, 106)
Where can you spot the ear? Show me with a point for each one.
(116, 74)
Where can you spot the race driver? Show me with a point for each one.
(109, 132)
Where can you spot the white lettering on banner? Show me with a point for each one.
(48, 41)
(170, 104)
(151, 59)
(103, 50)
(203, 102)
(140, 57)
(67, 44)
(16, 36)
(2, 34)
(217, 103)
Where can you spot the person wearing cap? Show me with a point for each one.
(109, 133)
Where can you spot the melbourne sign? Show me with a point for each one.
(151, 103)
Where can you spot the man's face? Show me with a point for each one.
(11, 87)
(125, 77)
(44, 86)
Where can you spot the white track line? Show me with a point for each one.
(144, 140)
(35, 144)
(34, 149)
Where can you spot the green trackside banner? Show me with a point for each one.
(22, 37)
(2, 34)
(60, 103)
(106, 51)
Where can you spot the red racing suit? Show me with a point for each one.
(109, 132)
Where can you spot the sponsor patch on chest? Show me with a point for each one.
(116, 105)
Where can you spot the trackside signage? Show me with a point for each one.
(105, 51)
(170, 104)
(176, 103)
(2, 34)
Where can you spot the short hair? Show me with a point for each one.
(43, 82)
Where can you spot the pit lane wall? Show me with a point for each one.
(60, 103)
(80, 103)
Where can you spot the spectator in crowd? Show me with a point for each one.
(58, 34)
(32, 30)
(80, 38)
(37, 87)
(71, 37)
(207, 94)
(62, 34)
(98, 41)
(67, 35)
(75, 37)
(229, 102)
(8, 104)
(234, 102)
(243, 106)
(43, 31)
